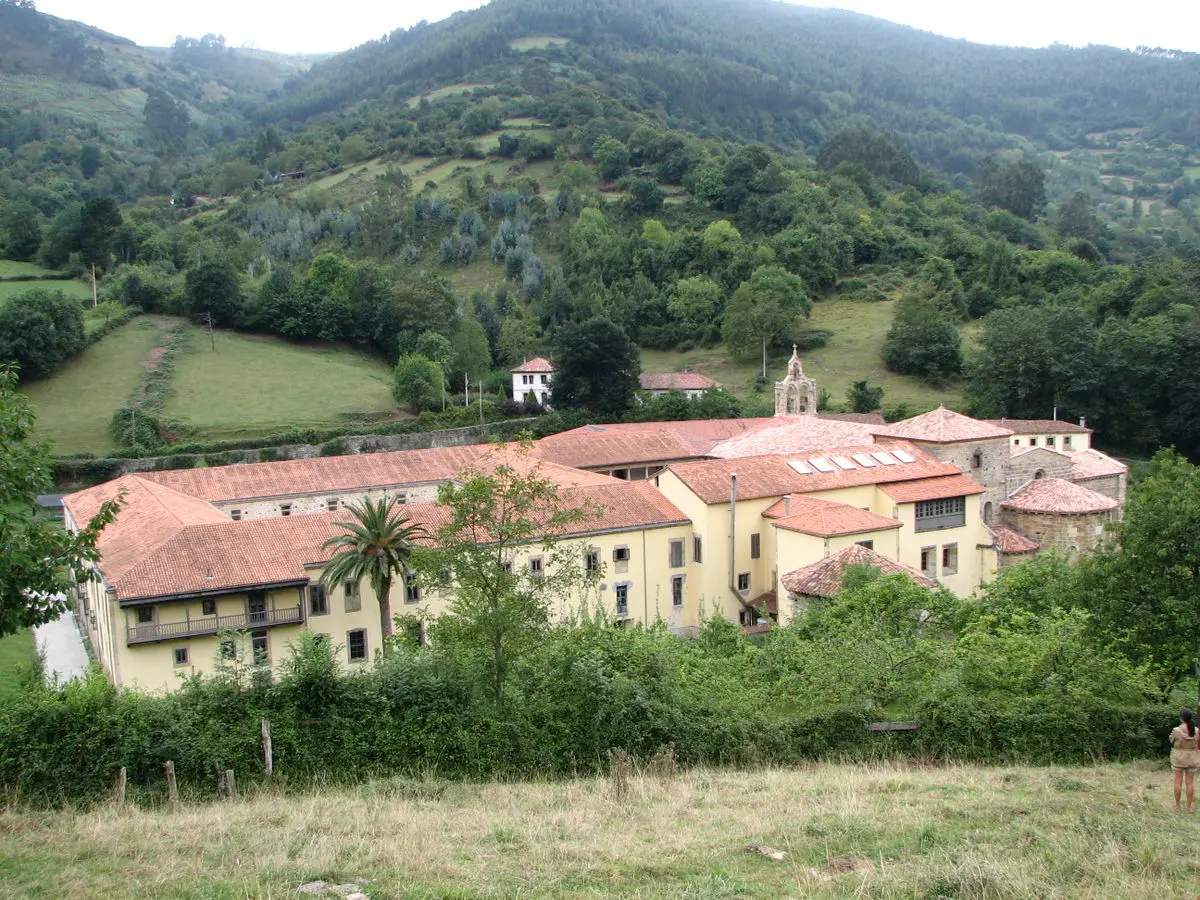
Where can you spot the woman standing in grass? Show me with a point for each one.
(1185, 757)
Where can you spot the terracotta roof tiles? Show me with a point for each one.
(823, 518)
(932, 489)
(1055, 495)
(677, 381)
(824, 578)
(1009, 541)
(943, 426)
(537, 364)
(795, 435)
(1039, 426)
(1087, 464)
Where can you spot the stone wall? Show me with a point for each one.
(1066, 534)
(1025, 468)
(991, 471)
(1110, 486)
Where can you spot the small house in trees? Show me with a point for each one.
(532, 380)
(693, 384)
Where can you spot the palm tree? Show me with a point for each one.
(377, 546)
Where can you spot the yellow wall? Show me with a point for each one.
(974, 564)
(1025, 439)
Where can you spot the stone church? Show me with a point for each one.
(795, 395)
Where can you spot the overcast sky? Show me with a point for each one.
(299, 28)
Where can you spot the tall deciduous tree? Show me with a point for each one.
(923, 340)
(497, 512)
(166, 120)
(763, 310)
(21, 230)
(40, 560)
(597, 367)
(213, 289)
(40, 330)
(99, 222)
(377, 547)
(418, 382)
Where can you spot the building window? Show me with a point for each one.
(1067, 442)
(228, 649)
(950, 559)
(236, 515)
(356, 644)
(208, 606)
(755, 546)
(677, 590)
(591, 562)
(1033, 442)
(623, 474)
(181, 656)
(353, 597)
(622, 592)
(987, 512)
(1040, 473)
(743, 581)
(145, 615)
(412, 590)
(258, 647)
(526, 379)
(545, 379)
(621, 554)
(977, 459)
(318, 600)
(1050, 441)
(676, 554)
(697, 548)
(535, 566)
(331, 505)
(285, 509)
(929, 561)
(934, 515)
(1016, 442)
(870, 545)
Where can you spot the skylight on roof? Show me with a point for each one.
(904, 456)
(800, 467)
(842, 462)
(886, 458)
(865, 461)
(821, 464)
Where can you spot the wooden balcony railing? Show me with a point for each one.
(144, 634)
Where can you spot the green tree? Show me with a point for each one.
(89, 160)
(418, 382)
(40, 330)
(612, 158)
(21, 228)
(472, 355)
(166, 120)
(497, 511)
(1020, 188)
(864, 397)
(763, 310)
(213, 288)
(99, 221)
(432, 345)
(354, 149)
(597, 367)
(695, 301)
(266, 145)
(41, 561)
(377, 546)
(645, 197)
(924, 339)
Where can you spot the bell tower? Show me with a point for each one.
(795, 395)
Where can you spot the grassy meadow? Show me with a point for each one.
(878, 831)
(255, 385)
(78, 289)
(16, 650)
(76, 403)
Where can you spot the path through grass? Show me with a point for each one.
(76, 403)
(255, 385)
(885, 831)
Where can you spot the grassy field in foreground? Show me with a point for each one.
(255, 385)
(76, 403)
(858, 332)
(15, 650)
(846, 831)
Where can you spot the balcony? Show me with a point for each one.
(168, 631)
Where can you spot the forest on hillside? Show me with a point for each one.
(512, 179)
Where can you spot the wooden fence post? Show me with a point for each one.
(230, 785)
(268, 752)
(119, 791)
(172, 787)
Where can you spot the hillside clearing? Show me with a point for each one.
(76, 403)
(16, 650)
(537, 43)
(254, 385)
(10, 289)
(448, 90)
(11, 268)
(885, 831)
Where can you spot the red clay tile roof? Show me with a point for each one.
(823, 518)
(594, 450)
(824, 578)
(932, 489)
(871, 418)
(795, 434)
(676, 381)
(1054, 495)
(537, 364)
(772, 476)
(1086, 464)
(150, 516)
(331, 474)
(1039, 426)
(1009, 541)
(943, 426)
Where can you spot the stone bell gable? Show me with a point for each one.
(795, 395)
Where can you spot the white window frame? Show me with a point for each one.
(677, 586)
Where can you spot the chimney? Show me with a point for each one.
(787, 504)
(1082, 422)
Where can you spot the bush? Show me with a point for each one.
(40, 330)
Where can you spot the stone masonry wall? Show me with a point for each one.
(1066, 534)
(994, 457)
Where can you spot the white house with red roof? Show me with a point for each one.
(692, 384)
(533, 380)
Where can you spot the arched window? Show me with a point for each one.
(987, 512)
(977, 459)
(1040, 473)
